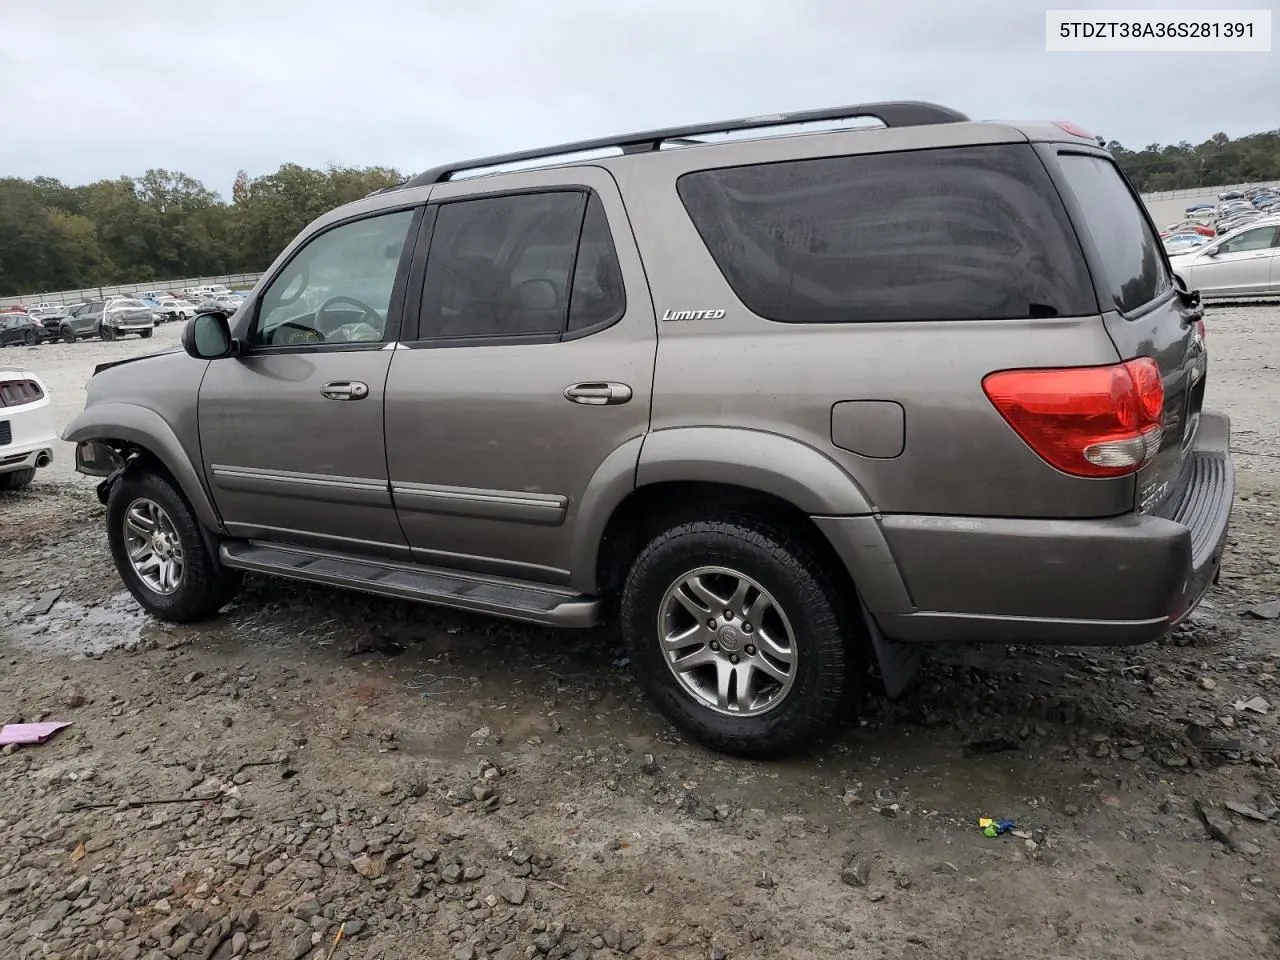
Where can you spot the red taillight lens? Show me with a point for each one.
(1086, 421)
(1201, 327)
(1073, 128)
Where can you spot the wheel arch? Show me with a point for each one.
(129, 428)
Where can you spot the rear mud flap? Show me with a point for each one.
(898, 662)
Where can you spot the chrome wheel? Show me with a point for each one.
(154, 549)
(727, 641)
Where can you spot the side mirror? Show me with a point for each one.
(207, 336)
(1212, 251)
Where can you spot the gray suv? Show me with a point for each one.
(774, 403)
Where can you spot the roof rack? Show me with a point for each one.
(901, 113)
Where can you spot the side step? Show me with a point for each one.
(514, 599)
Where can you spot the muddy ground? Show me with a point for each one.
(449, 786)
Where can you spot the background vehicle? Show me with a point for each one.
(711, 389)
(172, 308)
(26, 427)
(1243, 263)
(122, 317)
(20, 328)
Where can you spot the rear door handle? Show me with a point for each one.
(345, 390)
(597, 393)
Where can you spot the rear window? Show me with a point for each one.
(974, 233)
(1130, 267)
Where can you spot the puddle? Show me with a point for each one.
(75, 630)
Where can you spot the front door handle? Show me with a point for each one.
(345, 390)
(597, 393)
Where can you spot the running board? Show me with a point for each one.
(513, 599)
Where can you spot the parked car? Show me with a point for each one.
(108, 319)
(122, 317)
(27, 434)
(1183, 243)
(20, 328)
(1243, 264)
(1231, 195)
(1189, 226)
(712, 389)
(171, 308)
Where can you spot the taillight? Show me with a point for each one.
(1086, 421)
(1200, 326)
(14, 393)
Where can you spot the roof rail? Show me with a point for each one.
(901, 113)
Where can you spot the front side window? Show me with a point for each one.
(972, 233)
(337, 288)
(1260, 239)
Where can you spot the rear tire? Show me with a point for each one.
(145, 334)
(142, 504)
(792, 661)
(68, 335)
(16, 479)
(108, 333)
(31, 338)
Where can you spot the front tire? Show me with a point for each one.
(159, 552)
(740, 634)
(17, 479)
(108, 333)
(31, 338)
(68, 335)
(144, 334)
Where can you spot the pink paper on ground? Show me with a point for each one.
(30, 732)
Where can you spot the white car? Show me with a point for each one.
(1243, 263)
(171, 308)
(26, 427)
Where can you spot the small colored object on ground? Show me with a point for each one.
(993, 828)
(30, 732)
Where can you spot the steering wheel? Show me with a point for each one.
(367, 313)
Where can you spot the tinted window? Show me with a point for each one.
(1131, 269)
(337, 288)
(598, 295)
(499, 266)
(971, 233)
(1259, 239)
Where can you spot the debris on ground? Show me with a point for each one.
(28, 733)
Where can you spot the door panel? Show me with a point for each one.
(291, 430)
(489, 459)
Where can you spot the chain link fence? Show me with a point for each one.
(236, 281)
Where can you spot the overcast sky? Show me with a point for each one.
(92, 89)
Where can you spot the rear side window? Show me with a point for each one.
(973, 233)
(1130, 266)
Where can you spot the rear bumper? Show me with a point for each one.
(1119, 580)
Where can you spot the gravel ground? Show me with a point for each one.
(440, 785)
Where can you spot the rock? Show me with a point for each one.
(1248, 848)
(514, 892)
(718, 954)
(162, 906)
(1071, 809)
(76, 887)
(1217, 828)
(75, 698)
(192, 677)
(482, 792)
(114, 926)
(545, 942)
(1208, 683)
(630, 940)
(299, 947)
(765, 881)
(384, 787)
(239, 944)
(1254, 705)
(1266, 805)
(369, 867)
(353, 928)
(875, 896)
(451, 873)
(648, 766)
(1244, 810)
(181, 945)
(1132, 752)
(195, 922)
(464, 952)
(306, 908)
(856, 872)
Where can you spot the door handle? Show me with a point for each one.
(345, 390)
(597, 393)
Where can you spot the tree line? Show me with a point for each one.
(162, 225)
(166, 225)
